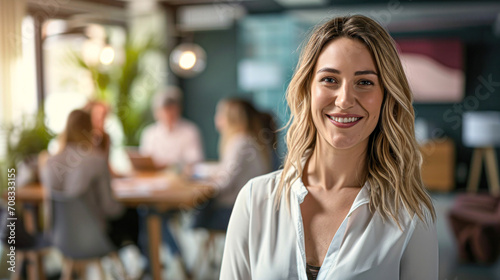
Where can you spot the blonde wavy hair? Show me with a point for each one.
(393, 156)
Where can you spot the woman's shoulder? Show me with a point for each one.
(73, 171)
(270, 179)
(74, 156)
(241, 143)
(264, 186)
(426, 219)
(244, 141)
(409, 220)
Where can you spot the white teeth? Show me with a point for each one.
(344, 120)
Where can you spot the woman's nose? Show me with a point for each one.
(344, 97)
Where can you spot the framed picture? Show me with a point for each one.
(434, 68)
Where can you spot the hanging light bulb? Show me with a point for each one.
(107, 55)
(187, 60)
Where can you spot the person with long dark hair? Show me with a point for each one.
(243, 155)
(80, 170)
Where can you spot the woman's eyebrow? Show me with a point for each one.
(365, 72)
(357, 73)
(328, 69)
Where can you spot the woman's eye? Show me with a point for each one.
(328, 80)
(366, 83)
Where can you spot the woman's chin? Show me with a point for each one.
(344, 144)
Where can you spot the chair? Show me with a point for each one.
(29, 248)
(209, 251)
(215, 221)
(80, 238)
(475, 221)
(33, 256)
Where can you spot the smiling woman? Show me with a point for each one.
(350, 202)
(345, 92)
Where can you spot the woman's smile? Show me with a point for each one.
(344, 120)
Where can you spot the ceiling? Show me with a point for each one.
(402, 15)
(397, 16)
(278, 6)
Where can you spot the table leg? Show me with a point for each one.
(475, 170)
(30, 218)
(492, 169)
(154, 234)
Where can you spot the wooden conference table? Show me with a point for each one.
(159, 190)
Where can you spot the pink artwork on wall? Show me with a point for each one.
(434, 68)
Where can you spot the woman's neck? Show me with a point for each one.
(333, 169)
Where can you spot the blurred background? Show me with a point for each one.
(56, 55)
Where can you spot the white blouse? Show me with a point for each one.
(263, 243)
(181, 145)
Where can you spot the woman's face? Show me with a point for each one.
(346, 95)
(98, 116)
(220, 119)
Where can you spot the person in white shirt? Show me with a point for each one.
(172, 140)
(350, 202)
(243, 156)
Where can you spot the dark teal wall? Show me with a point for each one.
(482, 61)
(201, 93)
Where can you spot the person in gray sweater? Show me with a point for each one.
(80, 170)
(244, 154)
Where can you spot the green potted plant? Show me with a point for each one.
(24, 143)
(118, 84)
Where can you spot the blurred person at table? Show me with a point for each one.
(128, 225)
(80, 170)
(171, 140)
(244, 154)
(98, 111)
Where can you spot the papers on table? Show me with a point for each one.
(127, 187)
(204, 170)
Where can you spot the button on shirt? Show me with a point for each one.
(263, 243)
(181, 145)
